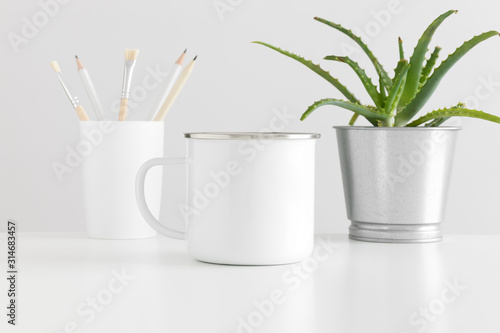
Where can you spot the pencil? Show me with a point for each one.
(179, 84)
(172, 76)
(90, 89)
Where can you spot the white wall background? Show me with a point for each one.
(234, 87)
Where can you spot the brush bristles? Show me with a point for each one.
(55, 66)
(131, 54)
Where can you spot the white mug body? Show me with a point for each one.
(250, 201)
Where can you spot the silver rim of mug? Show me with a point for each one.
(251, 136)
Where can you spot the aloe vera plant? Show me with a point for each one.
(397, 99)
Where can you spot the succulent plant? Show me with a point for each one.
(399, 98)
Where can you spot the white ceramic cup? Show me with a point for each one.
(111, 153)
(250, 197)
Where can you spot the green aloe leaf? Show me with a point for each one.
(454, 112)
(399, 67)
(433, 81)
(401, 51)
(317, 69)
(437, 122)
(369, 112)
(429, 65)
(360, 72)
(383, 94)
(417, 60)
(378, 67)
(397, 89)
(353, 119)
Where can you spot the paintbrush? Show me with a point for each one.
(72, 98)
(130, 58)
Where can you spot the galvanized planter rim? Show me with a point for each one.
(373, 128)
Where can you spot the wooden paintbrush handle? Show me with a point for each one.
(123, 109)
(80, 111)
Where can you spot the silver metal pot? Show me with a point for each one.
(396, 181)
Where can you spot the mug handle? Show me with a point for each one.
(141, 199)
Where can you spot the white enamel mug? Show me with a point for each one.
(250, 197)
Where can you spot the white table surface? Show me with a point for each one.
(347, 286)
